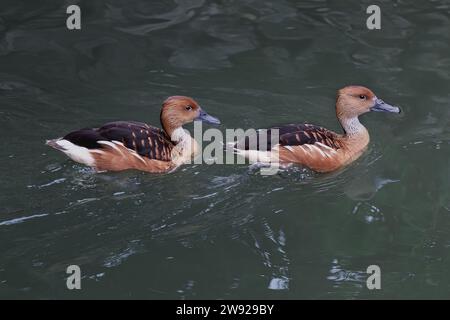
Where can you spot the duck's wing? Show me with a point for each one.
(290, 135)
(145, 140)
(301, 134)
(314, 147)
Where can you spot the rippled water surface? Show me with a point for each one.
(224, 231)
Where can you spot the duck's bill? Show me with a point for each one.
(203, 116)
(382, 106)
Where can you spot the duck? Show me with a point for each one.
(315, 147)
(124, 145)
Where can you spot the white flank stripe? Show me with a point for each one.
(118, 143)
(138, 156)
(108, 143)
(320, 150)
(97, 151)
(308, 146)
(324, 146)
(290, 148)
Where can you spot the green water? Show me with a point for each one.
(224, 231)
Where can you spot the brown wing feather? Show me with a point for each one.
(293, 135)
(145, 140)
(309, 134)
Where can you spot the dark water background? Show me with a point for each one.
(224, 231)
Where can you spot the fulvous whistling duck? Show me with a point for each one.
(125, 145)
(318, 148)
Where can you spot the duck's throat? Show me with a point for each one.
(353, 127)
(185, 146)
(179, 135)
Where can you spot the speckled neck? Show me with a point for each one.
(352, 126)
(179, 134)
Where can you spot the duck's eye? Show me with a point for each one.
(188, 107)
(362, 97)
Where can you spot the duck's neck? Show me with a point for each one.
(352, 126)
(178, 135)
(356, 136)
(173, 129)
(185, 146)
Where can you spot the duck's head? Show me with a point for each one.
(179, 110)
(353, 101)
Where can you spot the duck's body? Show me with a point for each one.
(317, 148)
(124, 145)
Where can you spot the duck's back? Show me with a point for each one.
(145, 140)
(291, 135)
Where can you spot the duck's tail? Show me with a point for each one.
(75, 152)
(54, 144)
